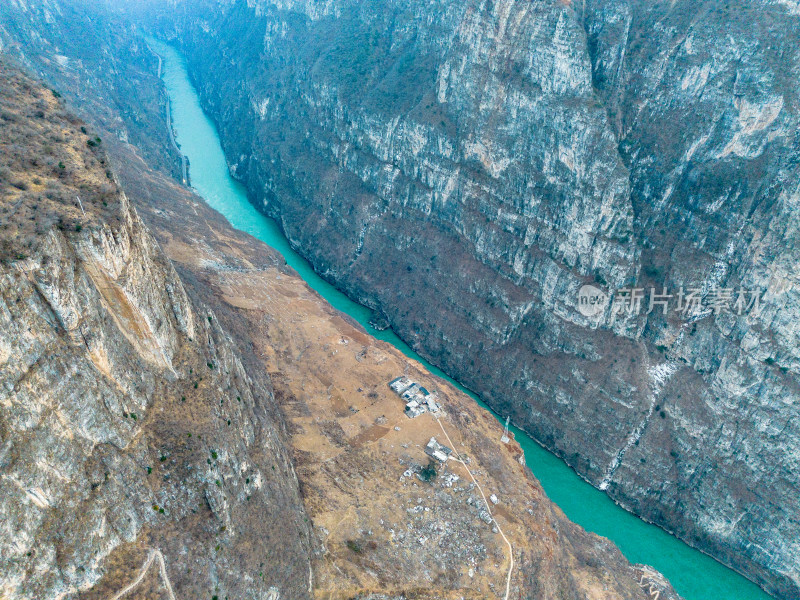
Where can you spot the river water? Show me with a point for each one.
(693, 574)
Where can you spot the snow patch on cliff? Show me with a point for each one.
(659, 375)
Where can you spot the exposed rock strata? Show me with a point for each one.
(385, 533)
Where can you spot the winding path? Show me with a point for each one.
(175, 144)
(162, 567)
(649, 588)
(488, 508)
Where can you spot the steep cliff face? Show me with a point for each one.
(129, 426)
(458, 219)
(465, 168)
(707, 116)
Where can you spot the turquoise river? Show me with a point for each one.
(693, 574)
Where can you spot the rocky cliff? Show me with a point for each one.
(465, 168)
(129, 426)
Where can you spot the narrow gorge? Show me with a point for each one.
(464, 174)
(184, 417)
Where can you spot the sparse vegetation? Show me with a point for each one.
(652, 272)
(44, 163)
(429, 472)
